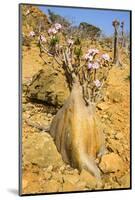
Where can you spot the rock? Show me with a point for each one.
(36, 150)
(102, 106)
(49, 168)
(49, 86)
(24, 101)
(47, 175)
(58, 177)
(30, 106)
(81, 185)
(125, 180)
(90, 180)
(115, 96)
(24, 183)
(74, 178)
(62, 168)
(111, 163)
(49, 115)
(52, 186)
(68, 167)
(115, 145)
(67, 186)
(107, 186)
(40, 119)
(119, 136)
(115, 185)
(105, 116)
(76, 171)
(26, 115)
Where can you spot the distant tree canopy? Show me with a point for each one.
(55, 18)
(89, 30)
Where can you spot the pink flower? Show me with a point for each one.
(90, 51)
(42, 38)
(52, 31)
(93, 51)
(106, 57)
(90, 65)
(97, 83)
(70, 42)
(88, 57)
(32, 33)
(58, 26)
(96, 51)
(95, 65)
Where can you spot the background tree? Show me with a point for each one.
(116, 60)
(89, 31)
(55, 18)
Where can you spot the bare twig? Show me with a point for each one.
(49, 54)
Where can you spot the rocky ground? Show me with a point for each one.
(43, 170)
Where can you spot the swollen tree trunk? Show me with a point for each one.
(76, 133)
(75, 127)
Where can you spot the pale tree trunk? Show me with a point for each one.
(76, 133)
(116, 49)
(116, 57)
(122, 35)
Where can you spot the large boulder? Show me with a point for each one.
(111, 163)
(91, 181)
(48, 86)
(40, 149)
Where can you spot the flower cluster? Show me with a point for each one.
(55, 29)
(93, 59)
(105, 57)
(90, 65)
(94, 65)
(70, 41)
(90, 54)
(32, 34)
(93, 51)
(52, 31)
(97, 83)
(88, 57)
(57, 26)
(42, 38)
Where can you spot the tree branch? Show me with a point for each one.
(49, 54)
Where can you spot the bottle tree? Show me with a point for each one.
(75, 128)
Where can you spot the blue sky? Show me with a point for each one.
(101, 18)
